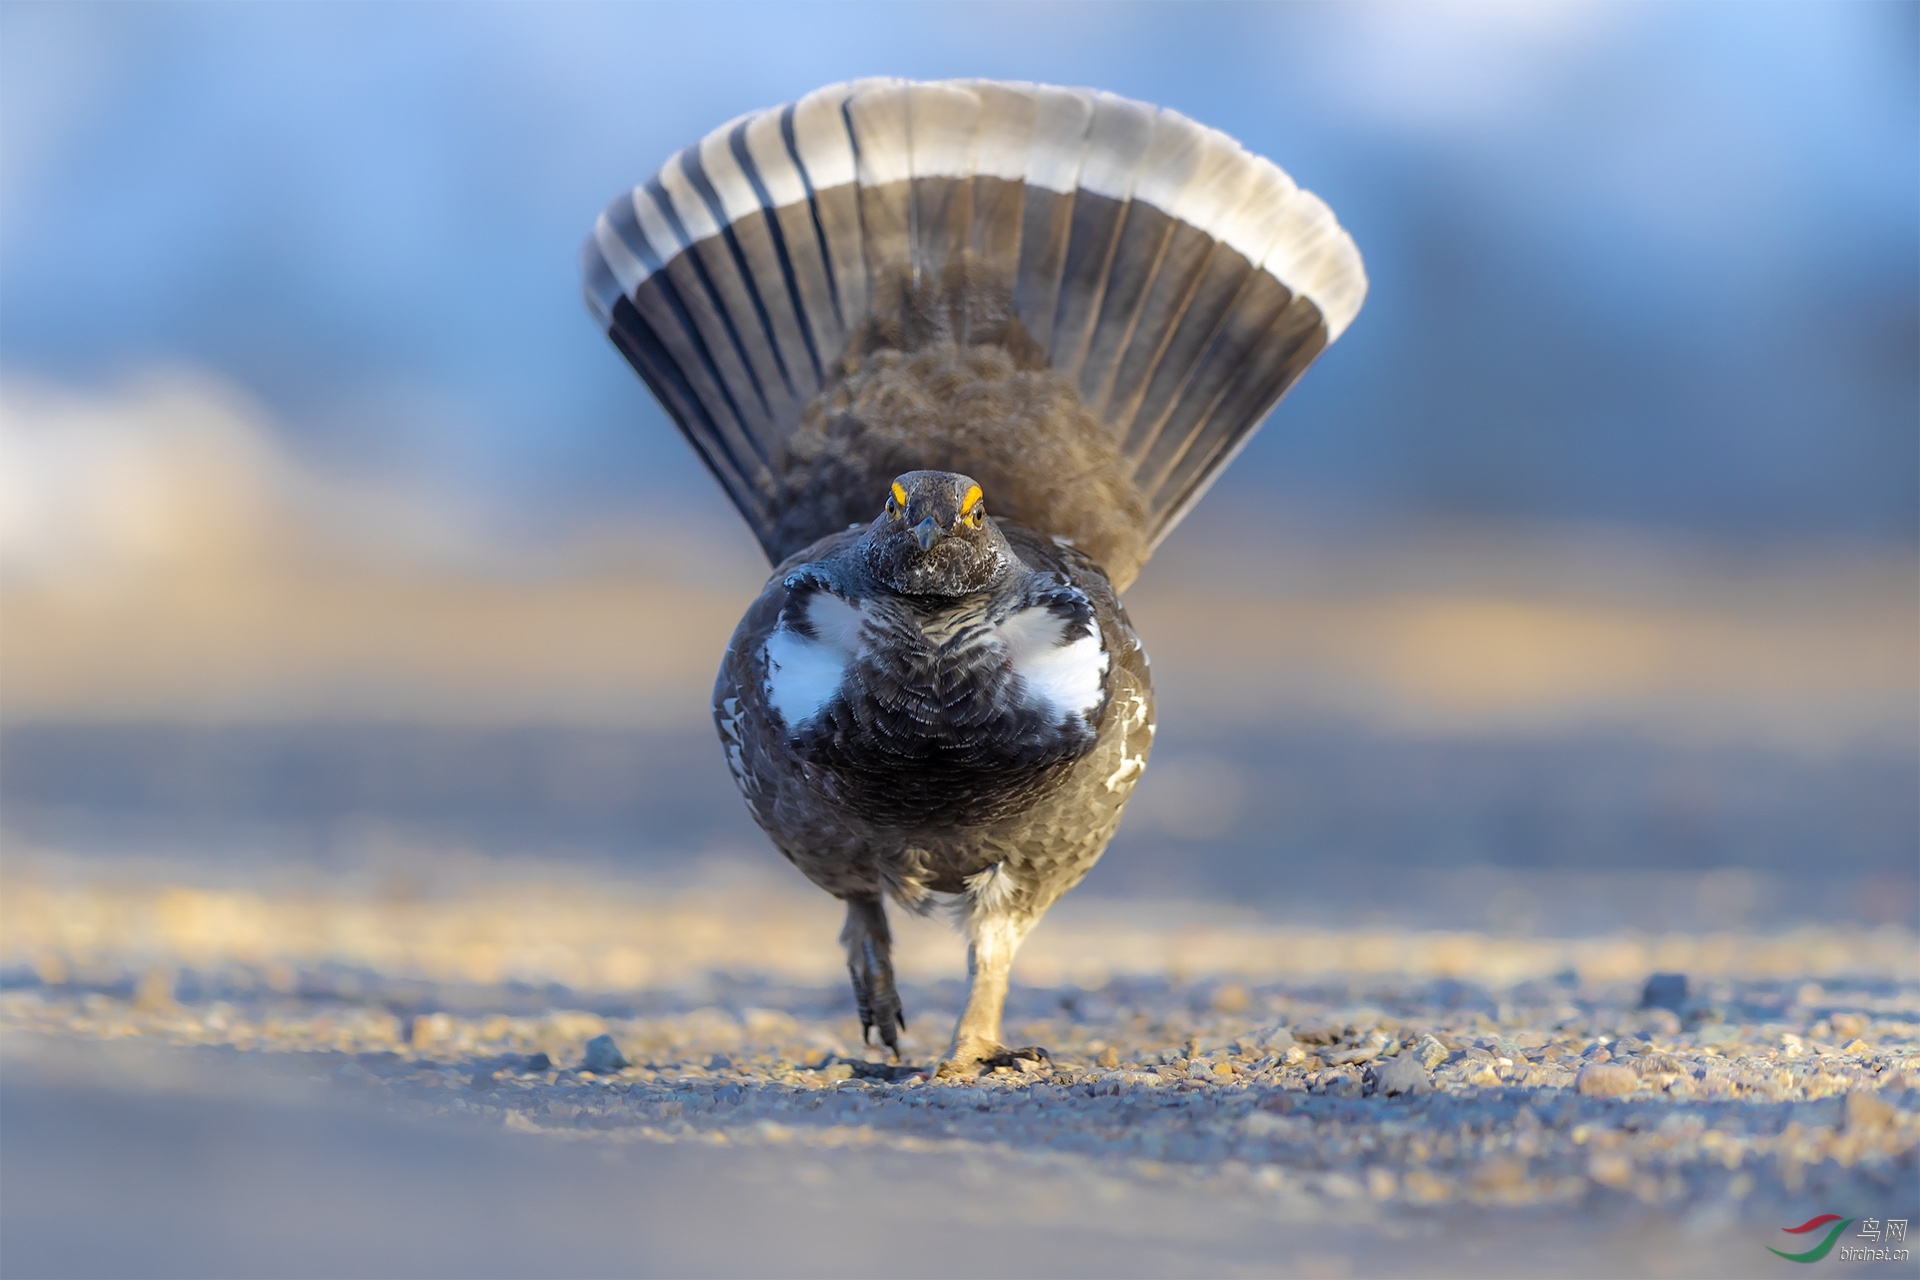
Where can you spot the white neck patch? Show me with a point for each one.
(804, 672)
(1068, 678)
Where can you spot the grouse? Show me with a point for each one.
(961, 353)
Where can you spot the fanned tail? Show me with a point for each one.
(1153, 287)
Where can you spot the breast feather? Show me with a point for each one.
(1069, 677)
(805, 671)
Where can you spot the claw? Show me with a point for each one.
(1013, 1057)
(870, 966)
(961, 1063)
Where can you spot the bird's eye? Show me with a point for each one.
(893, 508)
(977, 516)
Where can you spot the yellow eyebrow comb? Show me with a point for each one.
(973, 496)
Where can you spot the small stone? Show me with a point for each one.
(1109, 1057)
(1401, 1074)
(154, 994)
(839, 1071)
(603, 1056)
(1499, 1175)
(1354, 1056)
(1856, 1046)
(535, 1064)
(1664, 991)
(1231, 998)
(1606, 1080)
(1664, 1023)
(429, 1029)
(1275, 1039)
(1610, 1169)
(1294, 1055)
(1847, 1026)
(719, 1062)
(1430, 1052)
(1339, 1186)
(1381, 1184)
(1718, 1033)
(1700, 1015)
(1867, 1112)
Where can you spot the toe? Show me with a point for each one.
(1025, 1058)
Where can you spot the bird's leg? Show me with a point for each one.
(870, 963)
(994, 937)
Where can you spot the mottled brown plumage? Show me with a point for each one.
(912, 396)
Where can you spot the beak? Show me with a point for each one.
(927, 532)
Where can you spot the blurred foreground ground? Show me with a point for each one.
(391, 1079)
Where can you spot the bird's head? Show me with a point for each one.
(933, 537)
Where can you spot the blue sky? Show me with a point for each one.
(1649, 265)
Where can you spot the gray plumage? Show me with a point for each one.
(897, 306)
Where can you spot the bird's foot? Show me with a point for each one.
(1025, 1058)
(870, 965)
(966, 1061)
(878, 1000)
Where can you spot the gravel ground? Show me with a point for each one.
(1353, 1088)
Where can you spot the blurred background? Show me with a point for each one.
(1575, 589)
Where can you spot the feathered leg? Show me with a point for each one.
(869, 946)
(995, 930)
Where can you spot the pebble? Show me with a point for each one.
(1848, 1026)
(603, 1056)
(1430, 1051)
(1275, 1039)
(1867, 1112)
(1610, 1169)
(1664, 991)
(1606, 1080)
(1402, 1073)
(1717, 1033)
(429, 1029)
(154, 994)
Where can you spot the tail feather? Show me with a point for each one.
(1172, 282)
(1119, 139)
(820, 145)
(735, 315)
(759, 251)
(1062, 119)
(943, 121)
(1002, 145)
